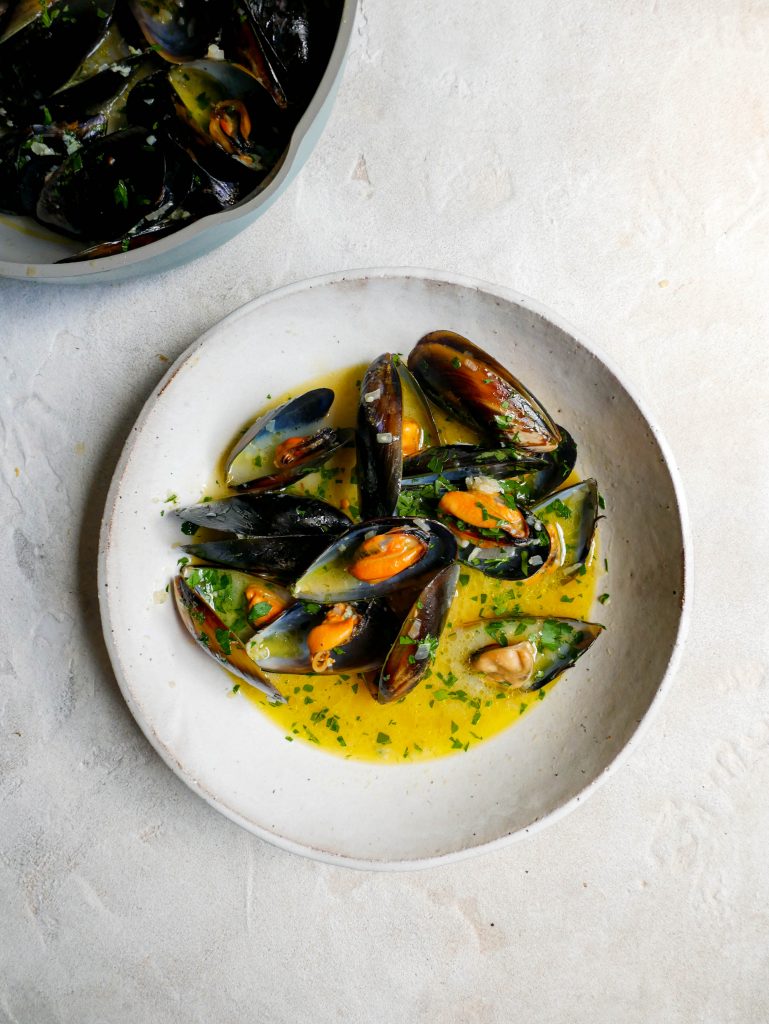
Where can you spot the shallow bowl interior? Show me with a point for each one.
(29, 251)
(307, 800)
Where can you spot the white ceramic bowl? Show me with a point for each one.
(406, 815)
(29, 251)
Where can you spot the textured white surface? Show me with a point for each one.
(612, 161)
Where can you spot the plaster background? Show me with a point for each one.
(612, 161)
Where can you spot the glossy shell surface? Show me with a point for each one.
(329, 578)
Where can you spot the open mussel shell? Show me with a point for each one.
(179, 30)
(282, 645)
(517, 653)
(282, 558)
(378, 439)
(556, 467)
(479, 391)
(413, 652)
(98, 105)
(105, 187)
(509, 558)
(253, 456)
(210, 633)
(571, 516)
(330, 578)
(226, 592)
(267, 515)
(457, 461)
(230, 110)
(43, 44)
(416, 412)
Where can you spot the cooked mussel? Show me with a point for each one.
(413, 652)
(285, 444)
(228, 109)
(375, 558)
(267, 515)
(494, 534)
(479, 391)
(244, 603)
(518, 653)
(312, 638)
(378, 439)
(210, 633)
(419, 430)
(570, 517)
(43, 44)
(107, 186)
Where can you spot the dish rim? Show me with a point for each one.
(53, 272)
(495, 291)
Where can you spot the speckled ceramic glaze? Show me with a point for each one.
(29, 251)
(365, 814)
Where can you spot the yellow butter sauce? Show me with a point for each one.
(338, 714)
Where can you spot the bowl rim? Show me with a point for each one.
(108, 264)
(496, 291)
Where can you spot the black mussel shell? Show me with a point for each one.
(251, 463)
(227, 110)
(413, 652)
(380, 416)
(267, 515)
(282, 645)
(283, 558)
(556, 468)
(140, 235)
(555, 644)
(416, 408)
(26, 158)
(571, 514)
(329, 580)
(457, 461)
(297, 36)
(179, 30)
(516, 558)
(481, 392)
(44, 43)
(210, 633)
(106, 187)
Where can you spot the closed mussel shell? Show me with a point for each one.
(283, 646)
(219, 642)
(413, 652)
(378, 439)
(376, 558)
(479, 391)
(282, 558)
(266, 514)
